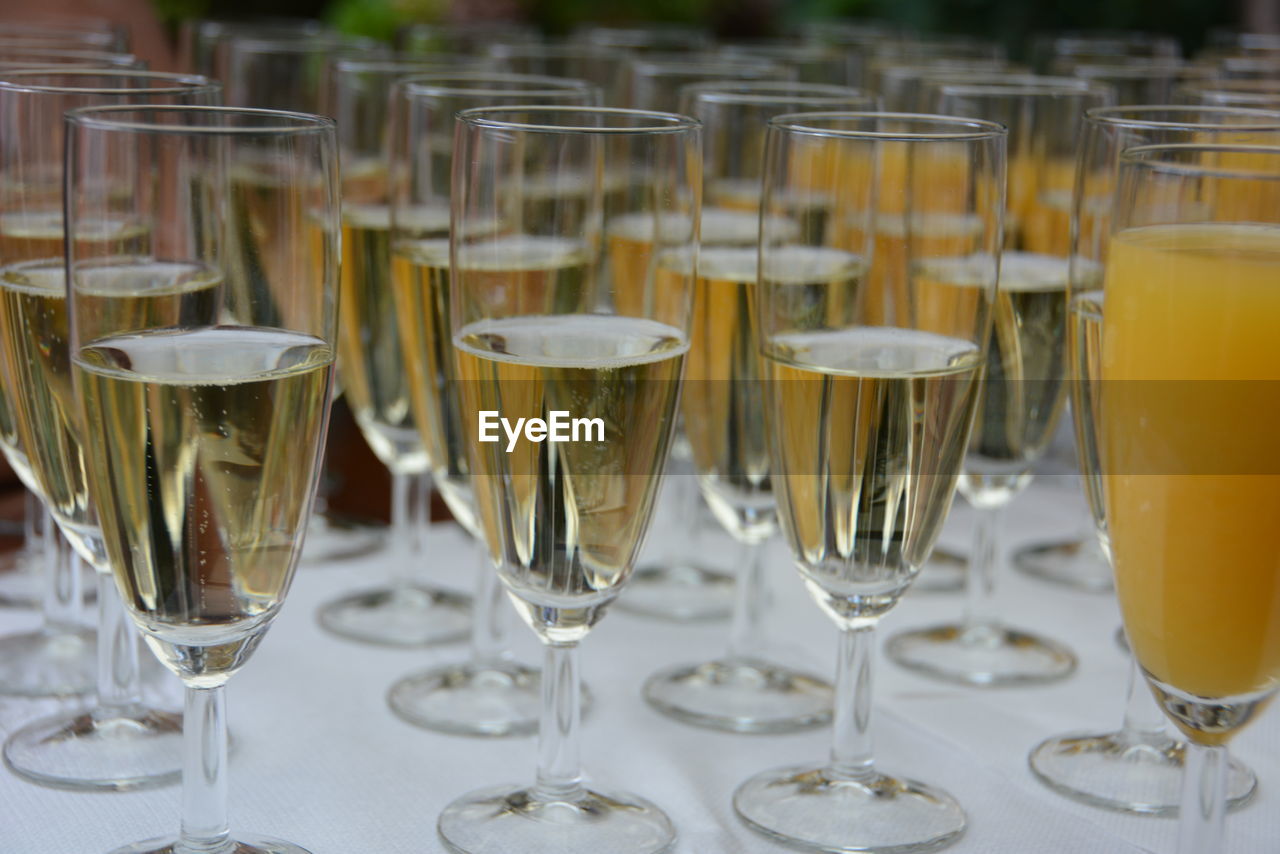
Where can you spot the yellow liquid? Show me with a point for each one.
(1192, 490)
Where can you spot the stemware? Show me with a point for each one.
(120, 742)
(109, 37)
(489, 694)
(376, 382)
(598, 64)
(1025, 385)
(744, 690)
(1188, 459)
(209, 402)
(39, 57)
(1261, 94)
(542, 329)
(465, 37)
(1083, 46)
(1139, 767)
(872, 377)
(1141, 81)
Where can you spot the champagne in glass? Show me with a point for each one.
(564, 515)
(208, 423)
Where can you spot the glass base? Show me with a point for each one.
(808, 808)
(1118, 772)
(981, 655)
(506, 819)
(1077, 564)
(682, 593)
(407, 616)
(47, 663)
(741, 695)
(494, 699)
(330, 542)
(943, 572)
(116, 751)
(244, 845)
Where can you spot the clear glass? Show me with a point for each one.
(1141, 82)
(1260, 94)
(467, 37)
(283, 71)
(119, 742)
(109, 37)
(1048, 50)
(38, 57)
(1026, 380)
(1187, 356)
(1140, 767)
(654, 81)
(598, 64)
(549, 316)
(814, 63)
(872, 377)
(490, 694)
(747, 689)
(652, 38)
(403, 611)
(210, 394)
(198, 38)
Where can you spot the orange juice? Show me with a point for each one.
(1192, 463)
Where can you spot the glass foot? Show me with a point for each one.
(116, 751)
(244, 845)
(47, 663)
(330, 542)
(943, 572)
(494, 699)
(809, 808)
(1118, 772)
(1079, 564)
(407, 616)
(740, 696)
(682, 593)
(982, 655)
(504, 819)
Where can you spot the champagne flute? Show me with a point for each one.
(489, 694)
(110, 37)
(1141, 81)
(1138, 768)
(599, 64)
(1260, 94)
(870, 392)
(208, 412)
(1025, 385)
(814, 63)
(401, 612)
(567, 339)
(745, 690)
(679, 585)
(1186, 450)
(1049, 50)
(198, 39)
(119, 743)
(22, 57)
(467, 37)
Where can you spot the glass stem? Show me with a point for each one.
(32, 511)
(1201, 827)
(852, 757)
(403, 536)
(204, 773)
(1143, 720)
(980, 580)
(63, 594)
(559, 770)
(747, 629)
(119, 680)
(488, 618)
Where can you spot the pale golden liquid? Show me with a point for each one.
(1085, 346)
(204, 460)
(869, 426)
(35, 332)
(537, 274)
(565, 521)
(374, 375)
(1025, 386)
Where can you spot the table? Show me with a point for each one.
(320, 760)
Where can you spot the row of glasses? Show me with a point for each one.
(1138, 768)
(744, 690)
(1025, 386)
(1186, 454)
(205, 404)
(489, 694)
(119, 742)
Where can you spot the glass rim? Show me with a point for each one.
(183, 83)
(771, 48)
(1082, 86)
(1115, 116)
(290, 42)
(423, 84)
(1144, 156)
(759, 92)
(557, 50)
(646, 66)
(663, 123)
(1233, 86)
(373, 64)
(88, 52)
(292, 123)
(1142, 70)
(976, 129)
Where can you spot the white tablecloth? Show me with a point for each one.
(321, 761)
